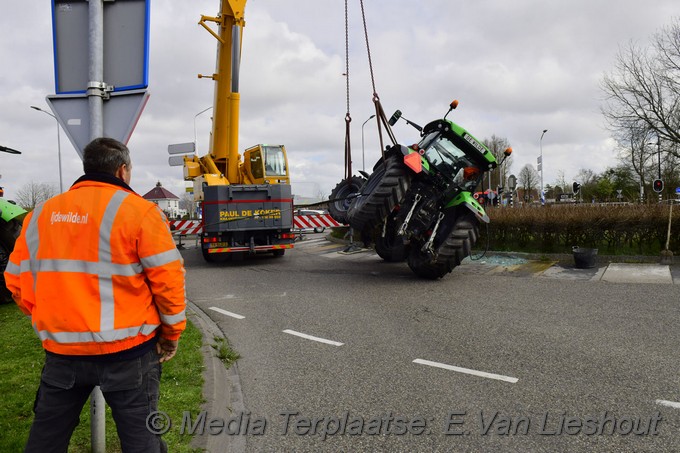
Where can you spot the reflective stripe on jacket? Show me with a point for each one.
(98, 271)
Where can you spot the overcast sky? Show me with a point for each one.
(517, 67)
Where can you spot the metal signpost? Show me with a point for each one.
(512, 185)
(101, 60)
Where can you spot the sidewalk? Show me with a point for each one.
(221, 388)
(561, 267)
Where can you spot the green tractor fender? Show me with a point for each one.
(9, 211)
(466, 199)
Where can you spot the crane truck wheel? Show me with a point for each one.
(8, 236)
(383, 191)
(342, 197)
(450, 254)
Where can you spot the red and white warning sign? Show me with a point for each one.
(185, 226)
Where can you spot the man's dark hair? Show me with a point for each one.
(105, 155)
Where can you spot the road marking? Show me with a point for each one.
(309, 337)
(225, 312)
(467, 371)
(672, 404)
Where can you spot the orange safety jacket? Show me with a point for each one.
(97, 270)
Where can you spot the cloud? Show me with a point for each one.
(517, 68)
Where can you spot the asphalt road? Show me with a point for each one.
(477, 361)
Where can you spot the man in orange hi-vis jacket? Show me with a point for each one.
(98, 272)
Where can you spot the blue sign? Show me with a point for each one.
(677, 190)
(126, 45)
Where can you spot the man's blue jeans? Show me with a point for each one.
(130, 388)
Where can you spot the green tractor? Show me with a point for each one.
(418, 203)
(11, 218)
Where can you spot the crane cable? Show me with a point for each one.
(381, 119)
(348, 117)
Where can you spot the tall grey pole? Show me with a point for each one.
(540, 145)
(658, 151)
(96, 113)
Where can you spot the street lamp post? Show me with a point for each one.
(658, 152)
(61, 182)
(540, 145)
(363, 157)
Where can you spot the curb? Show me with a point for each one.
(221, 388)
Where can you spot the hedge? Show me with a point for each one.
(614, 230)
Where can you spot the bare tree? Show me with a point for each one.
(586, 177)
(643, 90)
(497, 146)
(528, 179)
(561, 182)
(31, 194)
(186, 202)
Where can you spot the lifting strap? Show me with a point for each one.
(379, 112)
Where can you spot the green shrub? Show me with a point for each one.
(614, 230)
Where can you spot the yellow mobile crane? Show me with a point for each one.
(246, 204)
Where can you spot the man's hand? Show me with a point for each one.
(166, 349)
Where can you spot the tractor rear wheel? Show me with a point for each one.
(450, 254)
(342, 196)
(383, 191)
(391, 247)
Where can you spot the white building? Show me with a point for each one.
(166, 200)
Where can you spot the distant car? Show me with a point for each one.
(309, 212)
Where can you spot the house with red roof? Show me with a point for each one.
(166, 200)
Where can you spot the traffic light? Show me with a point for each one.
(657, 186)
(576, 187)
(500, 190)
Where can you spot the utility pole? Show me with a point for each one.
(658, 151)
(96, 114)
(540, 145)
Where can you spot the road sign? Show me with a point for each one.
(121, 113)
(176, 161)
(126, 45)
(182, 148)
(677, 190)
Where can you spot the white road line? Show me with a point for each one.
(309, 337)
(467, 371)
(225, 312)
(672, 404)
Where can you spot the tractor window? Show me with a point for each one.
(444, 152)
(274, 161)
(452, 162)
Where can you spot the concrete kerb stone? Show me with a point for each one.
(221, 388)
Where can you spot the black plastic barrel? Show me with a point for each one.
(584, 258)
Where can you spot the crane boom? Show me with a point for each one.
(224, 138)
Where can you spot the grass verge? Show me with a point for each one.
(21, 360)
